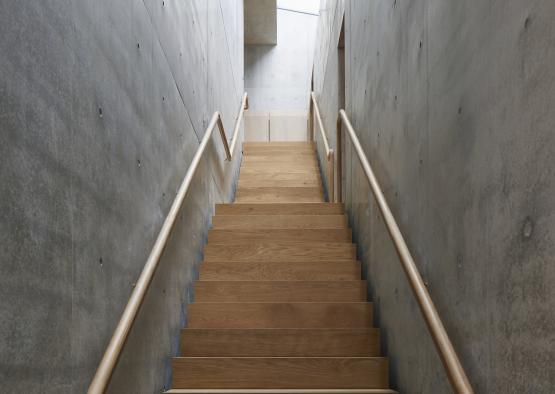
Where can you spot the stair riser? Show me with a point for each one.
(280, 315)
(283, 291)
(280, 373)
(283, 271)
(280, 343)
(279, 251)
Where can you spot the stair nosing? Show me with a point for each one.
(281, 391)
(281, 357)
(284, 261)
(284, 329)
(276, 303)
(281, 280)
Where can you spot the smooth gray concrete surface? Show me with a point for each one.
(278, 77)
(260, 22)
(453, 103)
(102, 106)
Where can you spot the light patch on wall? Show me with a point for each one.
(278, 77)
(306, 6)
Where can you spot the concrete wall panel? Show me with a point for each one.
(451, 101)
(102, 105)
(260, 22)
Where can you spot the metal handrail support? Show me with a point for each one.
(117, 342)
(455, 372)
(315, 110)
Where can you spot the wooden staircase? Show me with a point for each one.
(280, 306)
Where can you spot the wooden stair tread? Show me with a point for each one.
(281, 175)
(280, 372)
(237, 236)
(323, 208)
(278, 221)
(270, 169)
(287, 144)
(280, 306)
(262, 270)
(281, 391)
(281, 154)
(253, 149)
(285, 178)
(271, 182)
(280, 194)
(249, 150)
(280, 291)
(277, 159)
(280, 342)
(278, 251)
(280, 315)
(301, 152)
(263, 161)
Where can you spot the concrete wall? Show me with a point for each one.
(453, 104)
(277, 77)
(260, 22)
(102, 106)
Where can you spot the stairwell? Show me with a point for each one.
(279, 305)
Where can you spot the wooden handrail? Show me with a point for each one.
(117, 342)
(244, 106)
(320, 124)
(455, 372)
(314, 109)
